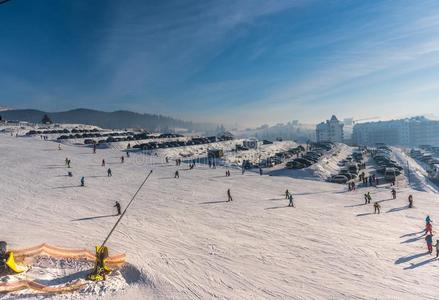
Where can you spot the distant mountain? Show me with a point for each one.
(117, 119)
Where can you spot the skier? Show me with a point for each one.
(109, 174)
(229, 196)
(290, 198)
(94, 148)
(68, 163)
(176, 175)
(103, 163)
(366, 199)
(117, 205)
(167, 159)
(428, 228)
(128, 154)
(82, 181)
(428, 220)
(437, 248)
(410, 201)
(260, 171)
(59, 146)
(393, 194)
(429, 240)
(287, 193)
(369, 197)
(122, 159)
(376, 207)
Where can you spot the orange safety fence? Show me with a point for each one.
(25, 256)
(7, 287)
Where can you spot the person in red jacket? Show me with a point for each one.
(429, 228)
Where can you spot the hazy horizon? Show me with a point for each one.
(249, 62)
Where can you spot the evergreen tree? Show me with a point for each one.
(46, 120)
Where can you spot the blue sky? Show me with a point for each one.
(248, 62)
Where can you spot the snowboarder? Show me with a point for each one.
(117, 205)
(109, 174)
(176, 175)
(428, 228)
(376, 207)
(103, 163)
(393, 194)
(410, 201)
(429, 240)
(82, 181)
(290, 198)
(229, 196)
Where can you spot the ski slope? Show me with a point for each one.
(183, 241)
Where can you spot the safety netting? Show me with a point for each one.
(27, 257)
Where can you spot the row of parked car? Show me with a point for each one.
(350, 167)
(310, 157)
(425, 156)
(386, 165)
(61, 131)
(276, 159)
(429, 156)
(116, 137)
(180, 143)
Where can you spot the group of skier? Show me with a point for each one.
(429, 236)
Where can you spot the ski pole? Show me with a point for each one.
(126, 208)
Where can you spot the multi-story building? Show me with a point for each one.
(330, 131)
(405, 132)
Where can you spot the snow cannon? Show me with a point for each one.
(101, 269)
(7, 261)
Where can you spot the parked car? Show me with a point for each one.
(338, 179)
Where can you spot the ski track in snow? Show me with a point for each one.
(184, 242)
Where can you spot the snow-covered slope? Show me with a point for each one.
(185, 242)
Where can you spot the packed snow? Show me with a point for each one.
(184, 241)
